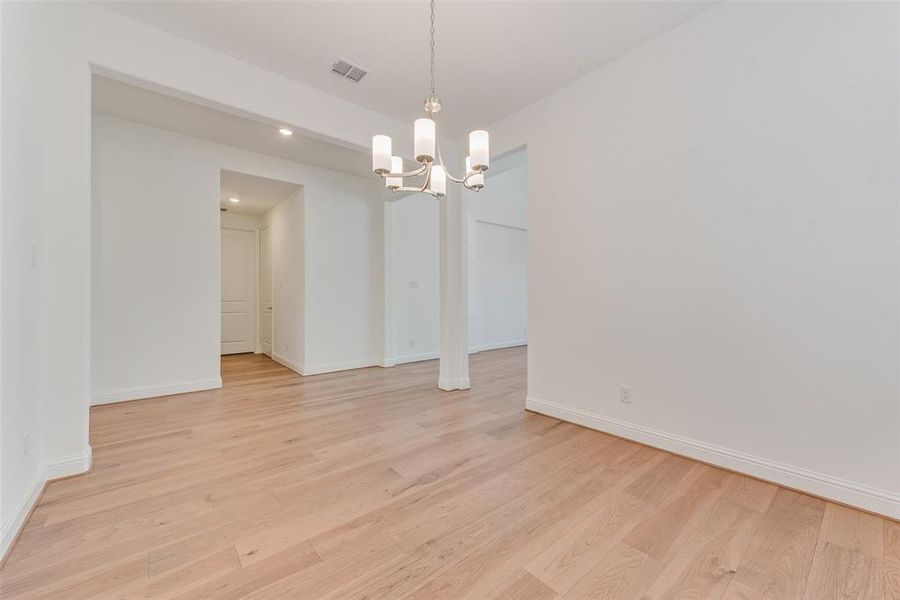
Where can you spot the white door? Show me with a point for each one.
(238, 288)
(265, 292)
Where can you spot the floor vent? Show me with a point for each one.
(348, 70)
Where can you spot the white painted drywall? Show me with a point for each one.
(21, 250)
(156, 278)
(713, 221)
(415, 280)
(232, 220)
(498, 262)
(344, 275)
(155, 301)
(287, 229)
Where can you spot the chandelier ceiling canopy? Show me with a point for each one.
(428, 152)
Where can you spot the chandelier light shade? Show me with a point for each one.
(476, 178)
(428, 152)
(438, 183)
(381, 154)
(424, 140)
(479, 150)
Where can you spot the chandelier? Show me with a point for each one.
(428, 152)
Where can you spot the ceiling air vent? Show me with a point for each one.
(348, 70)
(356, 74)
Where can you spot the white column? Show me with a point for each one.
(454, 331)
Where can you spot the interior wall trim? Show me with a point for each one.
(139, 393)
(16, 520)
(409, 358)
(52, 469)
(340, 366)
(474, 349)
(327, 367)
(286, 362)
(825, 486)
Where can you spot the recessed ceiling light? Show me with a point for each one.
(285, 131)
(235, 200)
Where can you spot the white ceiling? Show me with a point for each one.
(166, 112)
(257, 195)
(493, 58)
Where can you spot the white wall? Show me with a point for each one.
(21, 250)
(233, 220)
(288, 241)
(415, 280)
(156, 312)
(498, 235)
(715, 223)
(344, 277)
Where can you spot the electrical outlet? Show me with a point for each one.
(414, 284)
(624, 394)
(26, 445)
(412, 343)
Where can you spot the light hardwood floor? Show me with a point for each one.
(373, 484)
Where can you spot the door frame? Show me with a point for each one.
(259, 307)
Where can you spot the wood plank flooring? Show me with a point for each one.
(373, 484)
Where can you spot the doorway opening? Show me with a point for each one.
(498, 264)
(256, 258)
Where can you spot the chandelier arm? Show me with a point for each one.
(414, 190)
(415, 173)
(463, 180)
(441, 162)
(452, 178)
(427, 179)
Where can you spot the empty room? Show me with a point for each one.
(421, 299)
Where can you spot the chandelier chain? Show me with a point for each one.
(432, 95)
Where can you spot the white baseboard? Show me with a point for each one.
(819, 484)
(496, 346)
(50, 470)
(139, 393)
(69, 465)
(325, 368)
(290, 364)
(17, 517)
(410, 358)
(339, 366)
